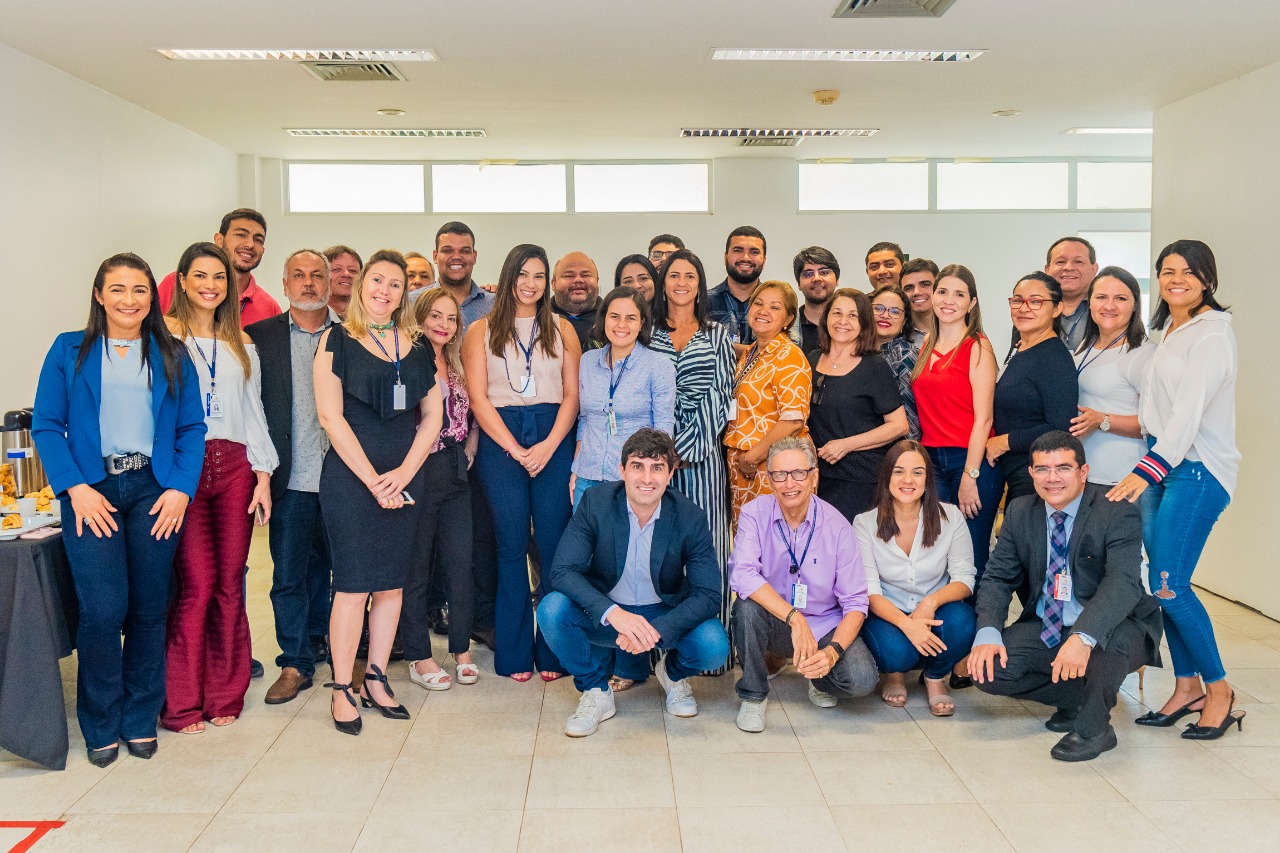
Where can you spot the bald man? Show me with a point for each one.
(576, 292)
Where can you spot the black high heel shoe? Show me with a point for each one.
(392, 712)
(347, 727)
(105, 756)
(1155, 718)
(142, 748)
(1195, 731)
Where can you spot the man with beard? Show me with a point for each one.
(243, 236)
(818, 273)
(455, 256)
(918, 278)
(576, 295)
(744, 254)
(300, 580)
(344, 266)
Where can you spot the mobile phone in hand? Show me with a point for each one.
(259, 516)
(408, 499)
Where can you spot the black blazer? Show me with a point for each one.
(271, 336)
(1105, 558)
(593, 552)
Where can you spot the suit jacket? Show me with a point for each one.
(593, 552)
(271, 336)
(1105, 559)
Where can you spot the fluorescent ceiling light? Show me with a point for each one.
(430, 133)
(771, 132)
(299, 55)
(793, 55)
(1109, 130)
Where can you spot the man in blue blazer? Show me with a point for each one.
(636, 570)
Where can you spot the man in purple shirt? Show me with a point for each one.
(801, 587)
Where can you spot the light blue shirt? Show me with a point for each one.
(644, 396)
(635, 587)
(310, 442)
(125, 415)
(479, 303)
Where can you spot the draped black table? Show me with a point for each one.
(37, 625)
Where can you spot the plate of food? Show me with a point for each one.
(12, 526)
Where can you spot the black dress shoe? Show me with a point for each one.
(347, 727)
(255, 669)
(485, 637)
(1073, 747)
(142, 748)
(391, 712)
(319, 647)
(105, 756)
(1164, 721)
(1062, 720)
(959, 682)
(439, 621)
(1195, 731)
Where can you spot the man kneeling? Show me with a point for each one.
(1075, 558)
(802, 590)
(636, 570)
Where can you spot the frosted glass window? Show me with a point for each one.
(356, 188)
(1002, 186)
(1113, 186)
(864, 186)
(641, 188)
(472, 188)
(1128, 249)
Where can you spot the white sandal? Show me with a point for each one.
(468, 673)
(438, 680)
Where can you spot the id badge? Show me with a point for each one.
(1062, 588)
(397, 396)
(799, 595)
(733, 409)
(213, 406)
(613, 423)
(530, 388)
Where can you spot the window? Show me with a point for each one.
(1113, 186)
(641, 188)
(356, 188)
(864, 186)
(1128, 249)
(477, 188)
(1002, 186)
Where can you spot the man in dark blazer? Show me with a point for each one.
(300, 581)
(636, 570)
(1088, 622)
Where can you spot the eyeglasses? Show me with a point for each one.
(1060, 470)
(799, 475)
(809, 275)
(657, 257)
(1035, 303)
(883, 310)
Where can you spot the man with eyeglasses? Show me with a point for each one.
(802, 589)
(1087, 622)
(818, 273)
(661, 246)
(918, 278)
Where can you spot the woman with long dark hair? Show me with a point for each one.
(120, 429)
(637, 271)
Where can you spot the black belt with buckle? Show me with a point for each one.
(118, 463)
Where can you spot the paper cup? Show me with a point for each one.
(27, 506)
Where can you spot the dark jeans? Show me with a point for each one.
(484, 554)
(948, 472)
(319, 575)
(517, 499)
(444, 540)
(893, 652)
(1028, 675)
(586, 647)
(756, 631)
(122, 583)
(296, 537)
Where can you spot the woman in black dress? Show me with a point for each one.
(856, 411)
(378, 402)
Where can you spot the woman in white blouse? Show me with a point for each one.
(207, 650)
(919, 562)
(1109, 365)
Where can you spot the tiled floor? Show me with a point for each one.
(486, 767)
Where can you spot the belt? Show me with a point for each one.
(118, 463)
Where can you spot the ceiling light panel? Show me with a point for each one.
(334, 55)
(795, 55)
(384, 133)
(772, 132)
(1122, 131)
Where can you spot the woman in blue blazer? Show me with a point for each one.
(119, 425)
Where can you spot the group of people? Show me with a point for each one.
(684, 478)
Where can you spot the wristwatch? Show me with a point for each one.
(1105, 426)
(973, 472)
(839, 648)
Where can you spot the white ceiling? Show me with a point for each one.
(560, 79)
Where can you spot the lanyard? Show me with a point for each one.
(213, 366)
(752, 357)
(622, 369)
(813, 528)
(396, 362)
(1096, 353)
(1080, 315)
(527, 351)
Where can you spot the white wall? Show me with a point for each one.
(1217, 178)
(998, 247)
(86, 175)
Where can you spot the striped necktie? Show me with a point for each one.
(1052, 632)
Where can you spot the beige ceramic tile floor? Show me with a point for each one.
(486, 767)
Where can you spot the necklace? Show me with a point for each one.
(382, 328)
(118, 343)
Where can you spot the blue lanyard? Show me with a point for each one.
(396, 362)
(813, 527)
(1086, 361)
(622, 369)
(528, 350)
(213, 367)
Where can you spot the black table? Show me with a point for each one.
(38, 613)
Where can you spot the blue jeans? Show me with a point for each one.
(1177, 516)
(948, 473)
(296, 537)
(586, 647)
(122, 583)
(580, 487)
(893, 652)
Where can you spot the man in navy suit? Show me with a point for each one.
(636, 570)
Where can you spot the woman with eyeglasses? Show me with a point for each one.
(1037, 390)
(1187, 477)
(856, 410)
(891, 313)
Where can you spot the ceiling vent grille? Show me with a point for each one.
(892, 8)
(383, 133)
(353, 72)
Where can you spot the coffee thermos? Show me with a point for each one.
(17, 449)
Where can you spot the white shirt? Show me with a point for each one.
(906, 579)
(243, 419)
(1110, 383)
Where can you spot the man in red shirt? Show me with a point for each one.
(243, 236)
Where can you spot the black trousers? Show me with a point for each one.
(484, 555)
(1028, 674)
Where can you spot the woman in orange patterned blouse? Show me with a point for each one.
(772, 386)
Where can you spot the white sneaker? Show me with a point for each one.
(820, 699)
(751, 715)
(594, 708)
(680, 702)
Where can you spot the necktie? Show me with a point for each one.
(1052, 632)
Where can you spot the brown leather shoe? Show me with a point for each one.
(287, 686)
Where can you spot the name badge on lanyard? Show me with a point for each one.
(397, 390)
(530, 387)
(212, 402)
(1062, 587)
(613, 387)
(799, 589)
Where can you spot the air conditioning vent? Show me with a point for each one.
(892, 8)
(353, 72)
(407, 133)
(770, 141)
(770, 132)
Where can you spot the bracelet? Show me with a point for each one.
(793, 612)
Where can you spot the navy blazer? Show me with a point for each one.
(593, 552)
(67, 430)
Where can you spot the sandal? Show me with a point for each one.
(521, 677)
(468, 673)
(938, 700)
(438, 680)
(617, 684)
(895, 696)
(548, 676)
